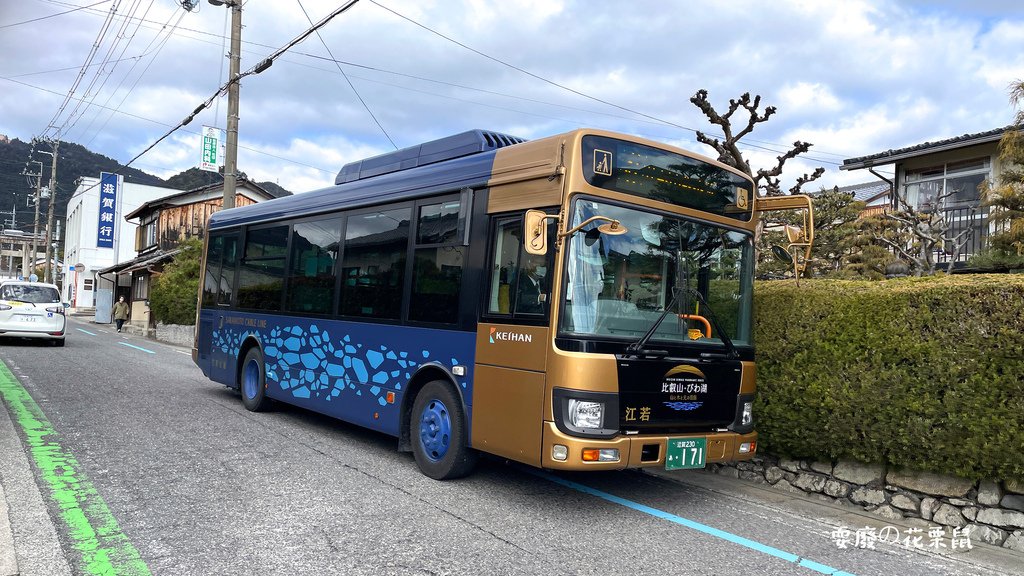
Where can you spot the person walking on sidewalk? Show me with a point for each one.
(120, 312)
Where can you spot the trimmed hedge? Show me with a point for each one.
(926, 373)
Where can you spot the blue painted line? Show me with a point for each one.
(86, 331)
(728, 536)
(136, 347)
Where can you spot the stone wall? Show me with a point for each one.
(175, 334)
(993, 512)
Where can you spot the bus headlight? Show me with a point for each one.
(748, 414)
(586, 414)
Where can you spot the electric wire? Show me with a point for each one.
(350, 85)
(114, 64)
(747, 143)
(51, 125)
(261, 66)
(76, 9)
(162, 38)
(562, 86)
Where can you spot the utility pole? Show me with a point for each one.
(35, 223)
(29, 266)
(231, 151)
(48, 265)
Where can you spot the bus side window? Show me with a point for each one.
(211, 281)
(373, 263)
(227, 271)
(505, 265)
(520, 283)
(261, 274)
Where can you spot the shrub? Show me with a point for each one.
(173, 295)
(926, 373)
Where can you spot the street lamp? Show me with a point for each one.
(231, 152)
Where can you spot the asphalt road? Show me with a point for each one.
(147, 467)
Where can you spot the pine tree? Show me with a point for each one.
(1006, 197)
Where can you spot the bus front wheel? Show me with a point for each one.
(440, 438)
(253, 381)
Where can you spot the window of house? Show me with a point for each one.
(311, 279)
(261, 274)
(146, 234)
(947, 186)
(437, 268)
(140, 287)
(373, 264)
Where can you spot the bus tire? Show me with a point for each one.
(439, 435)
(252, 381)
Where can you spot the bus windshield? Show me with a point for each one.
(619, 286)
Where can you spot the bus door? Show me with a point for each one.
(511, 347)
(218, 289)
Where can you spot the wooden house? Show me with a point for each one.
(163, 224)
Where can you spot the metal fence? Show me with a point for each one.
(970, 220)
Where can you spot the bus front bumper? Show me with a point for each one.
(639, 451)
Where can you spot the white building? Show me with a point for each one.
(97, 236)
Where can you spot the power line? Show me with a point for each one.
(260, 67)
(81, 74)
(556, 84)
(54, 15)
(750, 143)
(160, 47)
(350, 85)
(165, 125)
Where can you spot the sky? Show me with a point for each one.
(852, 77)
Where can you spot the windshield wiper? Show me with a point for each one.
(638, 346)
(729, 347)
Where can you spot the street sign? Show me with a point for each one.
(106, 225)
(211, 149)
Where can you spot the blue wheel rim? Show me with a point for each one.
(435, 430)
(251, 379)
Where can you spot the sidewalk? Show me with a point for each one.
(982, 555)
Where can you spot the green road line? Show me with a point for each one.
(93, 530)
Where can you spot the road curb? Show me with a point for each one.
(8, 557)
(983, 555)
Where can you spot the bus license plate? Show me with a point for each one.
(685, 453)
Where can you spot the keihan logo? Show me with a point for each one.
(509, 336)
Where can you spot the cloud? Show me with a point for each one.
(852, 78)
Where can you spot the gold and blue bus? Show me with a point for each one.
(577, 302)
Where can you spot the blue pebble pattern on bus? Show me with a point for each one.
(309, 364)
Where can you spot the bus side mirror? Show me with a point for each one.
(795, 234)
(782, 254)
(536, 240)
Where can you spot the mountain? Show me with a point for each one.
(75, 161)
(196, 178)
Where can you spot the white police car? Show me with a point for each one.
(32, 310)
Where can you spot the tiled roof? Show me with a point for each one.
(891, 156)
(867, 191)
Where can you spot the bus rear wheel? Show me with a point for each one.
(440, 438)
(252, 382)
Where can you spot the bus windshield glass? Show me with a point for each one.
(618, 286)
(657, 174)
